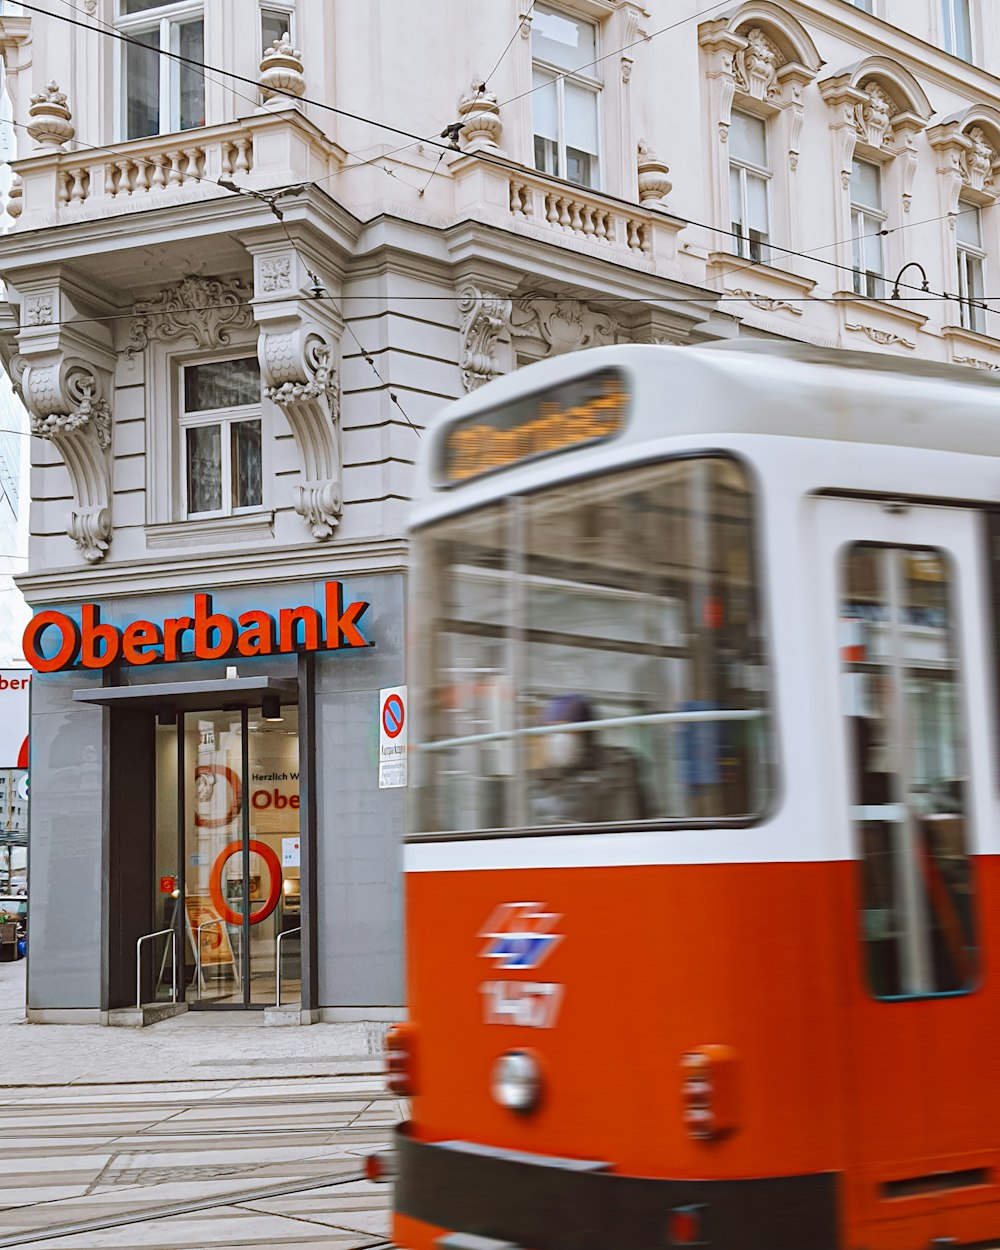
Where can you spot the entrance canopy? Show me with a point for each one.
(194, 696)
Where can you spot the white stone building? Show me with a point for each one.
(245, 273)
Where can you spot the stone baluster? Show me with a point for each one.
(195, 164)
(78, 188)
(110, 189)
(142, 175)
(159, 172)
(124, 177)
(243, 161)
(175, 178)
(15, 203)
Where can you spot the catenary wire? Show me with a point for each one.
(481, 156)
(517, 30)
(106, 28)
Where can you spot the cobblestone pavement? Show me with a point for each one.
(203, 1135)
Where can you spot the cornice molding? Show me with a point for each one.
(153, 575)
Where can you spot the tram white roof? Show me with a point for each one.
(745, 387)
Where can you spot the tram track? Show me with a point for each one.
(191, 1207)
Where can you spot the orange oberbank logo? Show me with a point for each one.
(55, 641)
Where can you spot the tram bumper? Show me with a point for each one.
(542, 1203)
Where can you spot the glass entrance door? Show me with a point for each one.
(228, 801)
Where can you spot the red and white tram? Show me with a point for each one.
(703, 878)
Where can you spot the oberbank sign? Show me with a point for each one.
(54, 641)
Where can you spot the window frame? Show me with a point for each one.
(771, 781)
(866, 6)
(916, 927)
(161, 19)
(743, 244)
(949, 30)
(971, 309)
(225, 418)
(593, 83)
(276, 6)
(863, 281)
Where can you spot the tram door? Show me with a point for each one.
(904, 661)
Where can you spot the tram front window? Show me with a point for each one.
(594, 655)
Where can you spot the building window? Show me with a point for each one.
(867, 222)
(221, 432)
(275, 23)
(565, 96)
(971, 265)
(956, 28)
(902, 691)
(748, 185)
(868, 6)
(160, 95)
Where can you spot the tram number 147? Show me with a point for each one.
(531, 1004)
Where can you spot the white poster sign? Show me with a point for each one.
(14, 686)
(392, 735)
(290, 855)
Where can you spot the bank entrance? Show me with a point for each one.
(227, 864)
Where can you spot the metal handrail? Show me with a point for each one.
(146, 937)
(710, 716)
(197, 949)
(277, 960)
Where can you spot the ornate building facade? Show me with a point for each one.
(258, 246)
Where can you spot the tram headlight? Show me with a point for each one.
(516, 1081)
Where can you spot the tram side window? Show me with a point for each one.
(902, 696)
(596, 654)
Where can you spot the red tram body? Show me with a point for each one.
(759, 1010)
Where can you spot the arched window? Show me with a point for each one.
(757, 63)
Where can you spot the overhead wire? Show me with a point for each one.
(482, 156)
(524, 17)
(268, 199)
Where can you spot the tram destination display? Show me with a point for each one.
(587, 410)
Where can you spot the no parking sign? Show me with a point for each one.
(392, 735)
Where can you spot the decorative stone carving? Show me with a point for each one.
(275, 273)
(563, 325)
(482, 127)
(38, 310)
(755, 67)
(873, 115)
(885, 338)
(51, 124)
(991, 365)
(485, 323)
(765, 302)
(978, 160)
(282, 74)
(205, 309)
(298, 375)
(654, 185)
(66, 405)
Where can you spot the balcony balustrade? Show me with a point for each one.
(639, 235)
(259, 152)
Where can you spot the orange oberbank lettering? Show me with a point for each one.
(54, 641)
